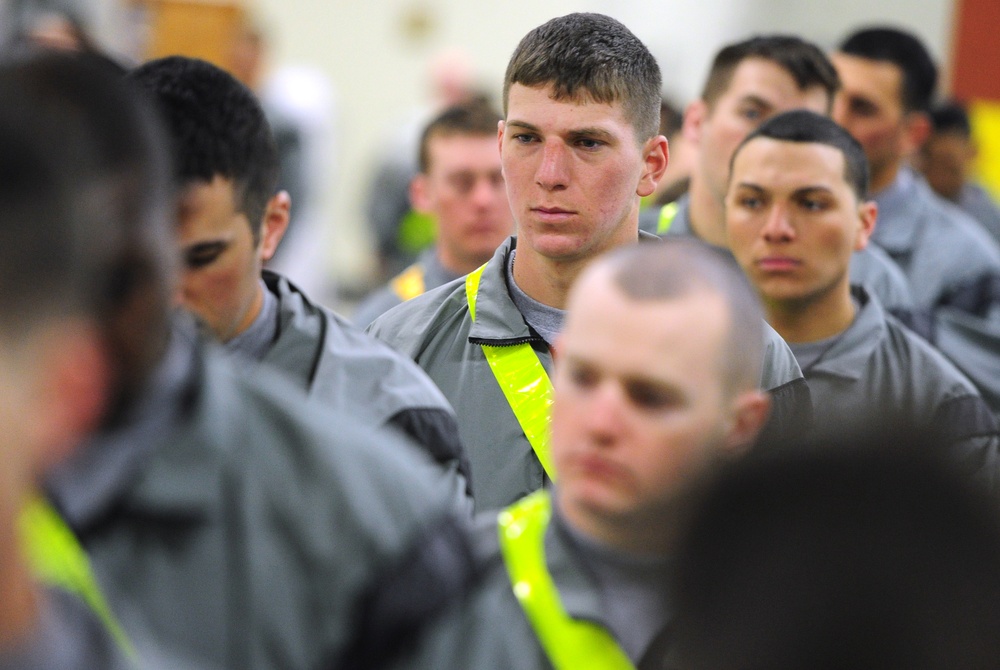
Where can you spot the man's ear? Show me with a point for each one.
(420, 198)
(694, 117)
(655, 158)
(277, 214)
(868, 213)
(72, 391)
(750, 410)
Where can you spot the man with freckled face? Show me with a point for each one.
(655, 387)
(579, 146)
(795, 212)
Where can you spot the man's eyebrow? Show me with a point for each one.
(812, 189)
(521, 124)
(594, 133)
(750, 185)
(756, 100)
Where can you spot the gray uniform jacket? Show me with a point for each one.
(340, 366)
(385, 298)
(953, 266)
(232, 521)
(938, 247)
(878, 370)
(871, 267)
(979, 204)
(68, 637)
(435, 330)
(486, 629)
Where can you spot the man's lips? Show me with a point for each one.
(552, 214)
(778, 264)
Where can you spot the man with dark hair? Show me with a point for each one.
(841, 556)
(952, 264)
(215, 513)
(579, 148)
(795, 213)
(459, 184)
(747, 83)
(230, 221)
(655, 386)
(53, 377)
(946, 161)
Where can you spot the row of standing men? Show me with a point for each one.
(263, 509)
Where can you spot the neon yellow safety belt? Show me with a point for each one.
(569, 643)
(524, 382)
(409, 283)
(667, 214)
(57, 559)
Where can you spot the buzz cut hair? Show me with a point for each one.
(678, 267)
(804, 61)
(590, 57)
(217, 128)
(476, 118)
(906, 52)
(808, 127)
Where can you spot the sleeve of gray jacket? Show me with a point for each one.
(791, 416)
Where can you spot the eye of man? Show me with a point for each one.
(201, 255)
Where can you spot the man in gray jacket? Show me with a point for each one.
(951, 262)
(795, 214)
(219, 513)
(579, 148)
(655, 386)
(231, 220)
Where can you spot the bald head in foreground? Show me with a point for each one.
(655, 386)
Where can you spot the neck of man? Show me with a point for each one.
(18, 591)
(640, 537)
(706, 213)
(883, 176)
(253, 311)
(812, 319)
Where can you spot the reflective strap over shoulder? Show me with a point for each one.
(667, 214)
(569, 643)
(57, 559)
(524, 382)
(409, 283)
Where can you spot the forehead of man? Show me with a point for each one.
(784, 168)
(768, 84)
(678, 341)
(539, 108)
(456, 152)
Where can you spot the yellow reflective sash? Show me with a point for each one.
(569, 643)
(409, 283)
(57, 559)
(667, 214)
(524, 382)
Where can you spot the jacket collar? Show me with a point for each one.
(900, 211)
(497, 320)
(850, 353)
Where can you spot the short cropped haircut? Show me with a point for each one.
(801, 125)
(114, 172)
(804, 61)
(951, 117)
(218, 128)
(590, 57)
(906, 52)
(854, 552)
(476, 118)
(678, 267)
